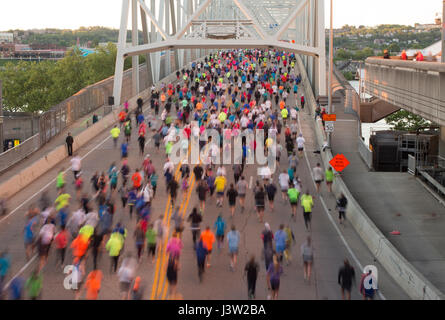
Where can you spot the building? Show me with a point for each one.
(6, 37)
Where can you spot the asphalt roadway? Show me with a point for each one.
(332, 242)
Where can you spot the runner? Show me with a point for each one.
(34, 285)
(76, 164)
(273, 278)
(251, 272)
(300, 144)
(284, 184)
(115, 132)
(242, 190)
(93, 284)
(293, 195)
(233, 238)
(307, 203)
(280, 238)
(232, 194)
(172, 275)
(260, 196)
(342, 203)
(202, 189)
(318, 176)
(208, 239)
(307, 252)
(126, 275)
(271, 190)
(195, 219)
(220, 185)
(346, 278)
(220, 228)
(201, 254)
(151, 238)
(329, 178)
(289, 240)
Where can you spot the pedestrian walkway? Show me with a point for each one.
(395, 202)
(59, 140)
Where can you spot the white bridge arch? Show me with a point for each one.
(190, 28)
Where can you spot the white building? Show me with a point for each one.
(6, 37)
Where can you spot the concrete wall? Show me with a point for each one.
(19, 125)
(409, 278)
(418, 87)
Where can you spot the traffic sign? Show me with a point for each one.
(330, 117)
(329, 126)
(339, 162)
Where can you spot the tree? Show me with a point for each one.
(69, 75)
(14, 77)
(403, 120)
(394, 48)
(343, 54)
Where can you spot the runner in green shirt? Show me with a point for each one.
(60, 179)
(150, 236)
(307, 203)
(329, 178)
(34, 285)
(293, 195)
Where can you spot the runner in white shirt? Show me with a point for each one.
(283, 179)
(300, 144)
(169, 166)
(318, 176)
(76, 163)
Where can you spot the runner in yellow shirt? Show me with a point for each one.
(220, 185)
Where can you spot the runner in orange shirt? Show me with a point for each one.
(282, 105)
(122, 116)
(137, 179)
(208, 238)
(92, 285)
(79, 246)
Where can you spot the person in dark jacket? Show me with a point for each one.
(346, 278)
(69, 144)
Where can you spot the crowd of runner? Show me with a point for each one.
(229, 91)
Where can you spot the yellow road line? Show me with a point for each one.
(160, 252)
(163, 252)
(164, 255)
(192, 178)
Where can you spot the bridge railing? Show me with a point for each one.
(14, 155)
(365, 152)
(418, 87)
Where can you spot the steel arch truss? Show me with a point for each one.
(290, 25)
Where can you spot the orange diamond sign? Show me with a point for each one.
(339, 162)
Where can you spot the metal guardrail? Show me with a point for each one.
(16, 154)
(365, 152)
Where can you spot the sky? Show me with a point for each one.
(72, 14)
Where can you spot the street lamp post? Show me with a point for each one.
(331, 67)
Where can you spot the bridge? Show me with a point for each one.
(188, 32)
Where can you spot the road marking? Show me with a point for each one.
(250, 182)
(162, 245)
(348, 248)
(49, 183)
(20, 271)
(192, 179)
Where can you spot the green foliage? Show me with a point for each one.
(349, 75)
(37, 86)
(394, 48)
(403, 120)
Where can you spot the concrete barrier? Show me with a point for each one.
(28, 175)
(404, 273)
